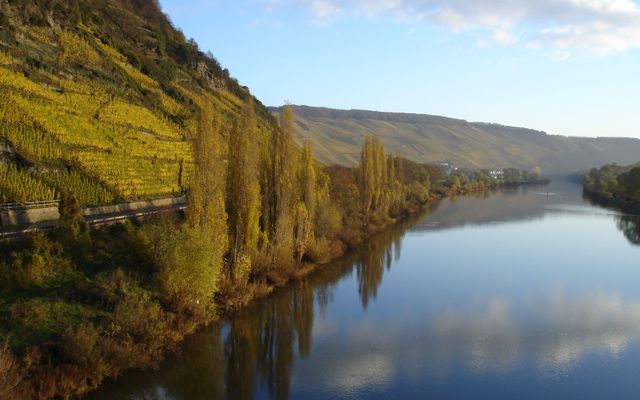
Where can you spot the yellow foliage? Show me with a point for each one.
(5, 59)
(14, 80)
(76, 51)
(18, 185)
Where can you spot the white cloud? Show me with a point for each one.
(324, 11)
(598, 27)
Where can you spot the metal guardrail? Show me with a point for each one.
(30, 205)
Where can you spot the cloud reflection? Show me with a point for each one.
(551, 336)
(556, 333)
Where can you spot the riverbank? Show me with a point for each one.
(59, 350)
(411, 281)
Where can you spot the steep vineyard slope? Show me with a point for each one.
(100, 97)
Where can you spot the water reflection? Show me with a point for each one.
(263, 339)
(556, 332)
(507, 204)
(329, 336)
(256, 349)
(630, 226)
(494, 337)
(628, 218)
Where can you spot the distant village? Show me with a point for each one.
(511, 174)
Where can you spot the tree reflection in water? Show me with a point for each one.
(630, 226)
(256, 348)
(259, 347)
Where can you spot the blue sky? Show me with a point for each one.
(569, 67)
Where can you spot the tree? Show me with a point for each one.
(511, 175)
(244, 187)
(206, 213)
(455, 183)
(71, 225)
(187, 266)
(631, 183)
(366, 172)
(280, 196)
(306, 209)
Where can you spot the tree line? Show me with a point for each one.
(86, 304)
(271, 209)
(614, 183)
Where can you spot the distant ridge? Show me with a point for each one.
(338, 134)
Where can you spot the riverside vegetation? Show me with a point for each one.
(614, 184)
(96, 110)
(79, 306)
(617, 187)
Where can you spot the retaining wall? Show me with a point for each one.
(13, 218)
(134, 206)
(29, 217)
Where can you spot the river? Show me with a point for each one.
(525, 293)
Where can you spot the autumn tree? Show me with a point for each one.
(71, 226)
(306, 208)
(244, 188)
(284, 194)
(367, 179)
(377, 181)
(206, 213)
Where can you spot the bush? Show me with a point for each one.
(143, 328)
(319, 251)
(72, 225)
(242, 270)
(40, 262)
(79, 345)
(11, 375)
(186, 271)
(417, 193)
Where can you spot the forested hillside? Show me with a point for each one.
(338, 134)
(101, 98)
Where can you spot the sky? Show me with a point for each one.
(567, 67)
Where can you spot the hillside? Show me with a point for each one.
(101, 98)
(337, 135)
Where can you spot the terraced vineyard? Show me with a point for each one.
(80, 117)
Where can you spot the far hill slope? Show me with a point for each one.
(337, 135)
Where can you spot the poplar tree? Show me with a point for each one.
(367, 178)
(400, 170)
(206, 214)
(244, 187)
(283, 175)
(306, 209)
(307, 180)
(381, 184)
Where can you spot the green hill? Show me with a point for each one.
(337, 135)
(100, 97)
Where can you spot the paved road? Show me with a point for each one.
(94, 220)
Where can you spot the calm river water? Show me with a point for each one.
(515, 294)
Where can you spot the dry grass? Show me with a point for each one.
(11, 375)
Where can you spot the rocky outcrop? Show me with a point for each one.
(203, 72)
(7, 152)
